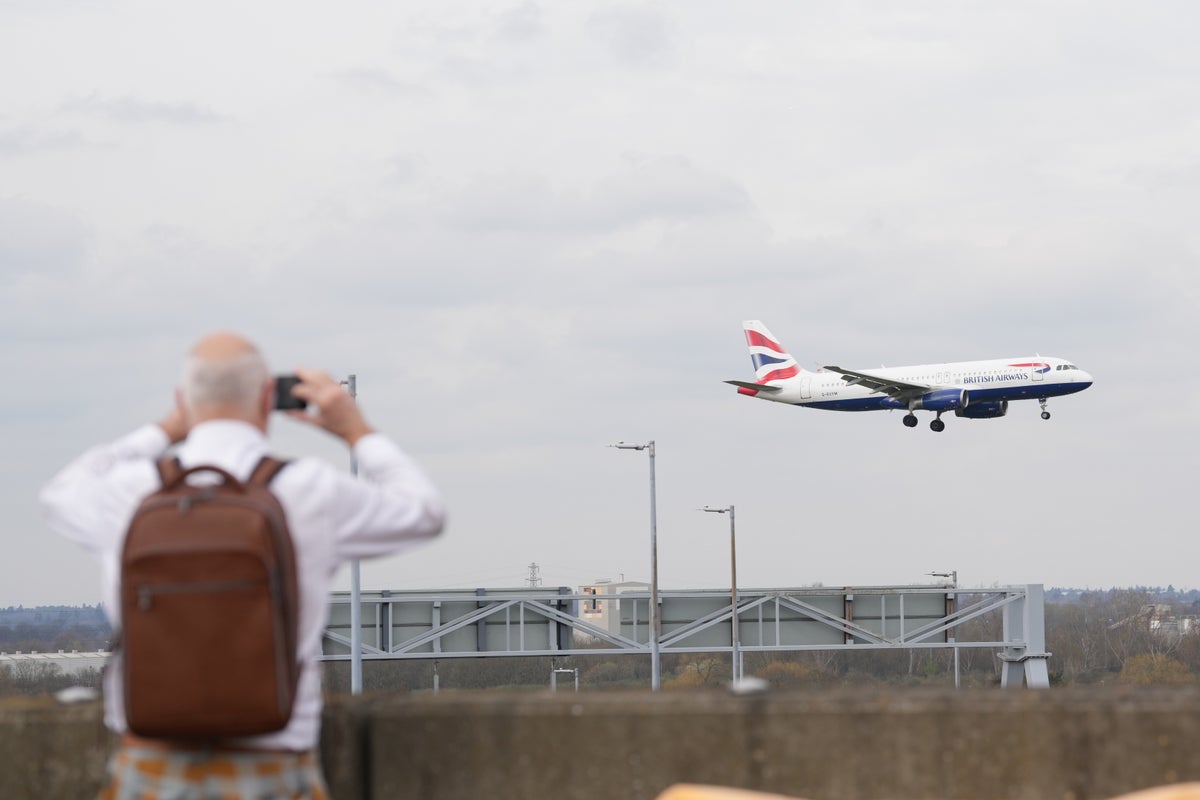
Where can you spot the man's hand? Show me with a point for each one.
(329, 406)
(175, 423)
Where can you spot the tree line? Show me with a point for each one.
(48, 629)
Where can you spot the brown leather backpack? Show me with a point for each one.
(209, 607)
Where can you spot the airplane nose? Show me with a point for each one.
(1083, 377)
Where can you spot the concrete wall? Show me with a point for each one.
(47, 750)
(843, 745)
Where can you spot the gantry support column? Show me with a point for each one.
(1025, 628)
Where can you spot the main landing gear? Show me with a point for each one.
(1042, 403)
(910, 421)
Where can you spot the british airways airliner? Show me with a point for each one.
(971, 389)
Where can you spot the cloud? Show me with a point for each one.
(404, 169)
(59, 284)
(28, 139)
(134, 110)
(645, 189)
(639, 36)
(477, 49)
(38, 241)
(520, 24)
(379, 82)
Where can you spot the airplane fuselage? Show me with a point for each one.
(990, 381)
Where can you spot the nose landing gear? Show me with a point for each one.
(1042, 403)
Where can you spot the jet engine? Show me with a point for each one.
(943, 400)
(983, 410)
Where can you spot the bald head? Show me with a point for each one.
(223, 345)
(225, 377)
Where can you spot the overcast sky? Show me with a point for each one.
(533, 229)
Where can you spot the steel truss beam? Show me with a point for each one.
(530, 622)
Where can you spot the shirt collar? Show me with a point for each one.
(232, 444)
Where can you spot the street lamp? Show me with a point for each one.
(655, 620)
(736, 669)
(951, 606)
(953, 576)
(351, 384)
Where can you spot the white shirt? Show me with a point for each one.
(333, 518)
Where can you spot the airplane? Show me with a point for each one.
(971, 389)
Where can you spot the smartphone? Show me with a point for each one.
(284, 401)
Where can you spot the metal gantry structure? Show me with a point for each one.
(399, 625)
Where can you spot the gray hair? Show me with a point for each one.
(233, 383)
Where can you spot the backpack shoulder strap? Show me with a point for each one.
(169, 471)
(265, 471)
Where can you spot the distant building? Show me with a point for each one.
(605, 612)
(1163, 621)
(71, 663)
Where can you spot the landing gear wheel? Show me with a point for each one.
(910, 420)
(937, 426)
(1042, 403)
(1045, 415)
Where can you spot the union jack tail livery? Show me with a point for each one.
(774, 367)
(970, 389)
(771, 361)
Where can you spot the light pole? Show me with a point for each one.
(736, 669)
(351, 384)
(951, 608)
(655, 621)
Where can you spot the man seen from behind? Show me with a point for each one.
(220, 418)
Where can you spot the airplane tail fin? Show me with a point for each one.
(771, 361)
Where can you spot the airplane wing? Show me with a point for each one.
(760, 387)
(898, 390)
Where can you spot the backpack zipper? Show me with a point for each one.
(147, 593)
